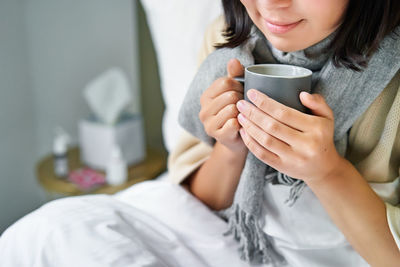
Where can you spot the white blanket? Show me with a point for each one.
(153, 223)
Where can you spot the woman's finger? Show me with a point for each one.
(287, 115)
(260, 152)
(234, 68)
(231, 127)
(221, 86)
(228, 112)
(221, 101)
(267, 123)
(266, 140)
(317, 104)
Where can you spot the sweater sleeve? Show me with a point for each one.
(389, 193)
(374, 149)
(190, 153)
(393, 217)
(212, 37)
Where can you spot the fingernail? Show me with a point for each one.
(252, 95)
(307, 94)
(241, 105)
(241, 118)
(304, 93)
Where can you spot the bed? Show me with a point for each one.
(154, 223)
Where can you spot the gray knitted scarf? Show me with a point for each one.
(347, 92)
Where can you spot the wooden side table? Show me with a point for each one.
(154, 164)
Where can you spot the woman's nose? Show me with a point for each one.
(274, 4)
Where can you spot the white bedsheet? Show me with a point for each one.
(153, 223)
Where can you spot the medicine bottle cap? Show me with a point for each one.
(61, 141)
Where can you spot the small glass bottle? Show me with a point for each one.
(60, 149)
(116, 172)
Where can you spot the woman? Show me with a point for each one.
(339, 41)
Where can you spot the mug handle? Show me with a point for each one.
(239, 79)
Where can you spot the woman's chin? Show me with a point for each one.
(286, 46)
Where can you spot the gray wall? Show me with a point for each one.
(49, 50)
(69, 43)
(18, 190)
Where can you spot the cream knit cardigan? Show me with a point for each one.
(374, 143)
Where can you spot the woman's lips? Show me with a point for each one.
(279, 28)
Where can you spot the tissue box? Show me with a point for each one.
(96, 140)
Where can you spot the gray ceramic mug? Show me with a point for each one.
(282, 83)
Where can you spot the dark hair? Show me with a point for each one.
(365, 24)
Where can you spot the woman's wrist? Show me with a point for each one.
(215, 182)
(231, 156)
(341, 167)
(334, 179)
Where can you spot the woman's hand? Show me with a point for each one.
(297, 144)
(218, 108)
(301, 146)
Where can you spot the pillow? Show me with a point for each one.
(177, 28)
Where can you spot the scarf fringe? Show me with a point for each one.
(255, 245)
(297, 186)
(295, 192)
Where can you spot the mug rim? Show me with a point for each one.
(285, 66)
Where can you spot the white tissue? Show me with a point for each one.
(108, 95)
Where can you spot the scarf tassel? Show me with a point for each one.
(296, 186)
(255, 246)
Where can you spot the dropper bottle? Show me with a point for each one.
(60, 149)
(116, 172)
